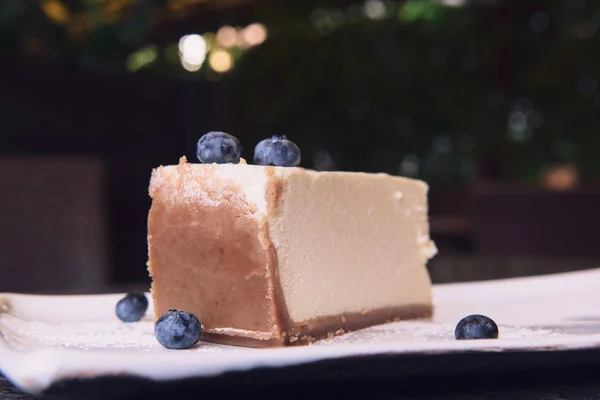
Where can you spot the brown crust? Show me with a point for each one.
(320, 328)
(242, 341)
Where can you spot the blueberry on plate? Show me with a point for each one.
(132, 307)
(177, 330)
(277, 151)
(476, 327)
(219, 148)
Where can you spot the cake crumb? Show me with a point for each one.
(308, 339)
(339, 332)
(183, 160)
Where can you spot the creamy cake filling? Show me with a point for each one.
(347, 243)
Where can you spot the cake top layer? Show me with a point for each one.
(170, 176)
(256, 186)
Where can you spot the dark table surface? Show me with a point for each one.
(9, 392)
(552, 384)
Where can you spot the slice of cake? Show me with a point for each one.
(274, 256)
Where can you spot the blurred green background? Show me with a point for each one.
(494, 103)
(442, 90)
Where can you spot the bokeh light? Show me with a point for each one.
(190, 67)
(227, 36)
(55, 11)
(192, 50)
(518, 128)
(254, 34)
(142, 58)
(410, 166)
(453, 3)
(560, 177)
(374, 9)
(220, 61)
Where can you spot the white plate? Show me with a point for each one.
(46, 339)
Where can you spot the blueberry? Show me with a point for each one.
(177, 329)
(218, 147)
(476, 327)
(277, 151)
(132, 307)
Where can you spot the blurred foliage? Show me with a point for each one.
(444, 93)
(443, 90)
(91, 35)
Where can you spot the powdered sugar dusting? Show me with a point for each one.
(106, 335)
(45, 338)
(424, 331)
(113, 335)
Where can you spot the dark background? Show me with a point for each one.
(494, 103)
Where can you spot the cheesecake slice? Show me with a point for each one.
(275, 256)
